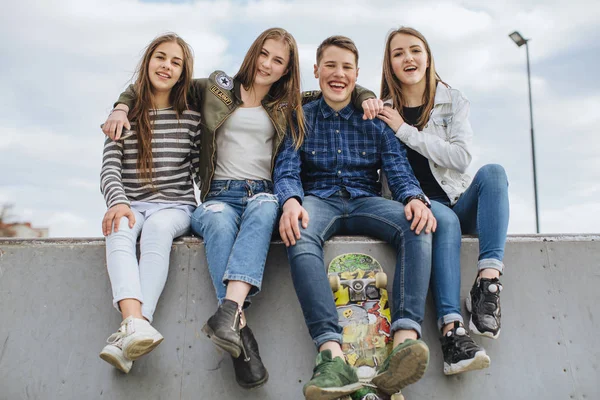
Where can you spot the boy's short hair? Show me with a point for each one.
(338, 41)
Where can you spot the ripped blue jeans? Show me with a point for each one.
(236, 221)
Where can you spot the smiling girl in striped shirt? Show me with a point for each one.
(146, 180)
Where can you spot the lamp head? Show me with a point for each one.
(518, 38)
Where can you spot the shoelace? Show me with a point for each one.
(118, 336)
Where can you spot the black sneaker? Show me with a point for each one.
(250, 371)
(483, 302)
(461, 353)
(332, 378)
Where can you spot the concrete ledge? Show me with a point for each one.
(55, 314)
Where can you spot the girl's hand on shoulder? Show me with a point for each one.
(113, 216)
(372, 107)
(116, 121)
(392, 117)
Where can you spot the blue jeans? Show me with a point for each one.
(236, 222)
(373, 216)
(482, 210)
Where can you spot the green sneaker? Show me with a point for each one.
(405, 365)
(332, 378)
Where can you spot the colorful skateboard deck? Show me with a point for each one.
(358, 283)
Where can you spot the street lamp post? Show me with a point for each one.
(520, 41)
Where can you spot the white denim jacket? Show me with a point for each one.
(445, 141)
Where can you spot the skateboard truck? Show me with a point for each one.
(358, 288)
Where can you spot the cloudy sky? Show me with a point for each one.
(66, 61)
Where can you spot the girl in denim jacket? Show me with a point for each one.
(432, 120)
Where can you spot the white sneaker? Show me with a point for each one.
(112, 353)
(139, 337)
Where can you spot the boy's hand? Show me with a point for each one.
(288, 224)
(421, 216)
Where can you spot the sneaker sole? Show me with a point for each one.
(319, 393)
(476, 331)
(115, 361)
(254, 385)
(136, 349)
(407, 367)
(480, 361)
(229, 347)
(472, 326)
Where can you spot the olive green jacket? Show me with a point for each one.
(216, 98)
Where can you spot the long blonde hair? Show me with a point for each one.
(140, 113)
(391, 87)
(287, 88)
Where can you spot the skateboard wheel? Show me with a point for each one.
(380, 280)
(334, 282)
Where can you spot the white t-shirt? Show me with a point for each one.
(245, 146)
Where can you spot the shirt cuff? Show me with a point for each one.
(288, 196)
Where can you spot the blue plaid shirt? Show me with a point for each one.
(341, 150)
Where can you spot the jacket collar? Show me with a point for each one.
(237, 89)
(442, 94)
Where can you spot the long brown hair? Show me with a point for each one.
(391, 87)
(144, 105)
(285, 93)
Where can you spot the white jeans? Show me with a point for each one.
(144, 281)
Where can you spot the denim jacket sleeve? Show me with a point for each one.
(446, 142)
(286, 176)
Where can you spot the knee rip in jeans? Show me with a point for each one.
(214, 207)
(264, 197)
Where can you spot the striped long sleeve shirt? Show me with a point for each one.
(175, 155)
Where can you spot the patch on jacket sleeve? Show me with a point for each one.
(224, 81)
(221, 95)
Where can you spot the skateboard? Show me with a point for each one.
(358, 284)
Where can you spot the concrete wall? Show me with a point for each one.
(55, 314)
